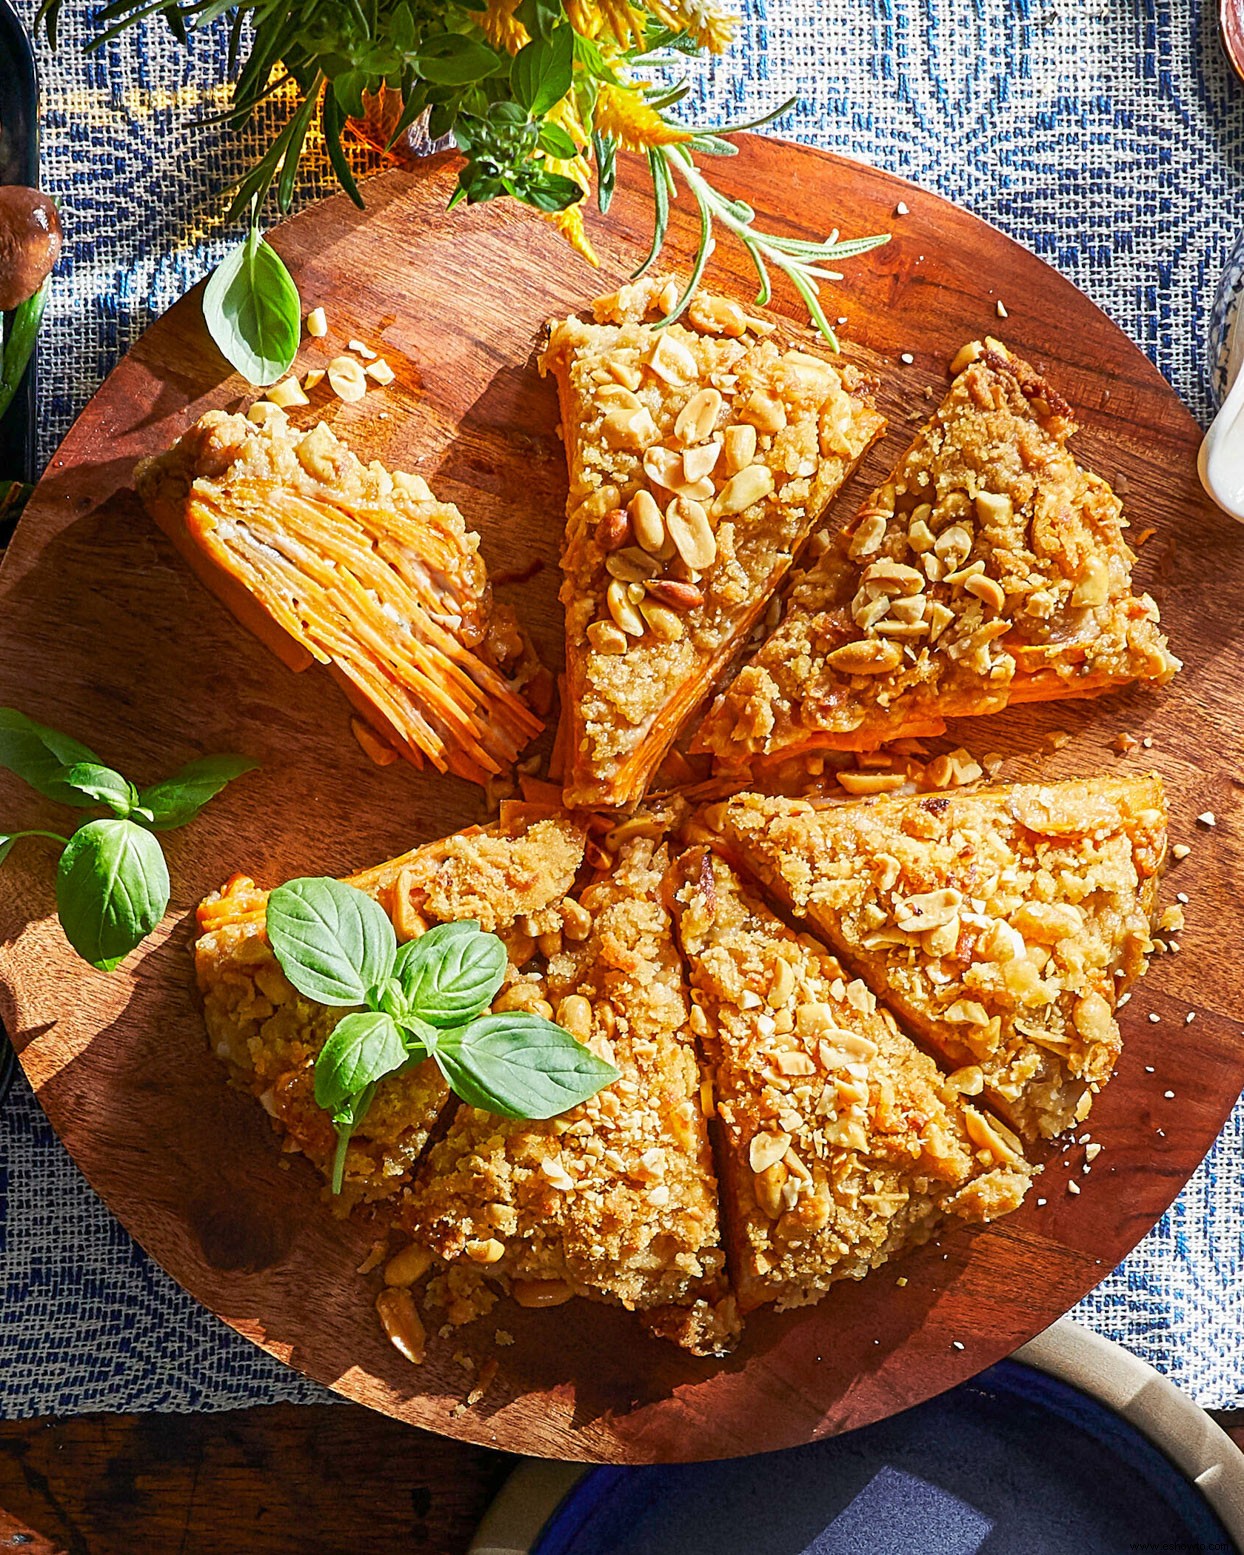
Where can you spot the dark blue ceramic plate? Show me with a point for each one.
(1013, 1463)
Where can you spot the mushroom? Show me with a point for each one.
(30, 239)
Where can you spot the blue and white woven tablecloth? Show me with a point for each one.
(1106, 135)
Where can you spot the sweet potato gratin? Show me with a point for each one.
(1002, 925)
(841, 1142)
(961, 963)
(512, 878)
(332, 561)
(990, 568)
(700, 457)
(615, 1200)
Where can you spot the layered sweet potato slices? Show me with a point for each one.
(328, 560)
(990, 568)
(514, 878)
(615, 1200)
(1000, 925)
(841, 1142)
(700, 457)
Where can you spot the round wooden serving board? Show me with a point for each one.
(103, 632)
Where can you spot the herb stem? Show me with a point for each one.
(53, 836)
(796, 258)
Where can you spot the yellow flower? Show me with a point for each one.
(500, 28)
(570, 224)
(592, 17)
(570, 221)
(633, 123)
(711, 27)
(566, 113)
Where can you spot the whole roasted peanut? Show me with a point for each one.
(614, 530)
(681, 596)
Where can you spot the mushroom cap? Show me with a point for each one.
(30, 243)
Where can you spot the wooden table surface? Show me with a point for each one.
(317, 1480)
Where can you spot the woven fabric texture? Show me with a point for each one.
(1106, 135)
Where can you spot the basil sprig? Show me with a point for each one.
(112, 884)
(428, 999)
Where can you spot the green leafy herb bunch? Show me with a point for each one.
(428, 998)
(539, 97)
(112, 884)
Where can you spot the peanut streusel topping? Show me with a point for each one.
(989, 569)
(269, 1035)
(843, 1143)
(700, 457)
(1001, 924)
(616, 1199)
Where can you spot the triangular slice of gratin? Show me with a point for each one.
(615, 1200)
(330, 560)
(990, 568)
(700, 457)
(841, 1143)
(514, 878)
(1001, 925)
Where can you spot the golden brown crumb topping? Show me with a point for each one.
(990, 568)
(334, 561)
(615, 1200)
(842, 1142)
(269, 1035)
(1001, 924)
(700, 457)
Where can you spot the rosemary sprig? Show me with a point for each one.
(799, 260)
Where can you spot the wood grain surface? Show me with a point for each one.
(275, 1480)
(103, 632)
(283, 1479)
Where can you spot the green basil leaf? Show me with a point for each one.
(539, 16)
(347, 90)
(548, 192)
(178, 799)
(111, 889)
(520, 1066)
(362, 1049)
(450, 59)
(334, 943)
(40, 756)
(253, 312)
(541, 71)
(103, 785)
(451, 973)
(555, 142)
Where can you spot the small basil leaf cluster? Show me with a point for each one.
(112, 884)
(425, 999)
(507, 140)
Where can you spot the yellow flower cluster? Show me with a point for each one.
(711, 27)
(634, 123)
(618, 20)
(500, 27)
(570, 221)
(621, 111)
